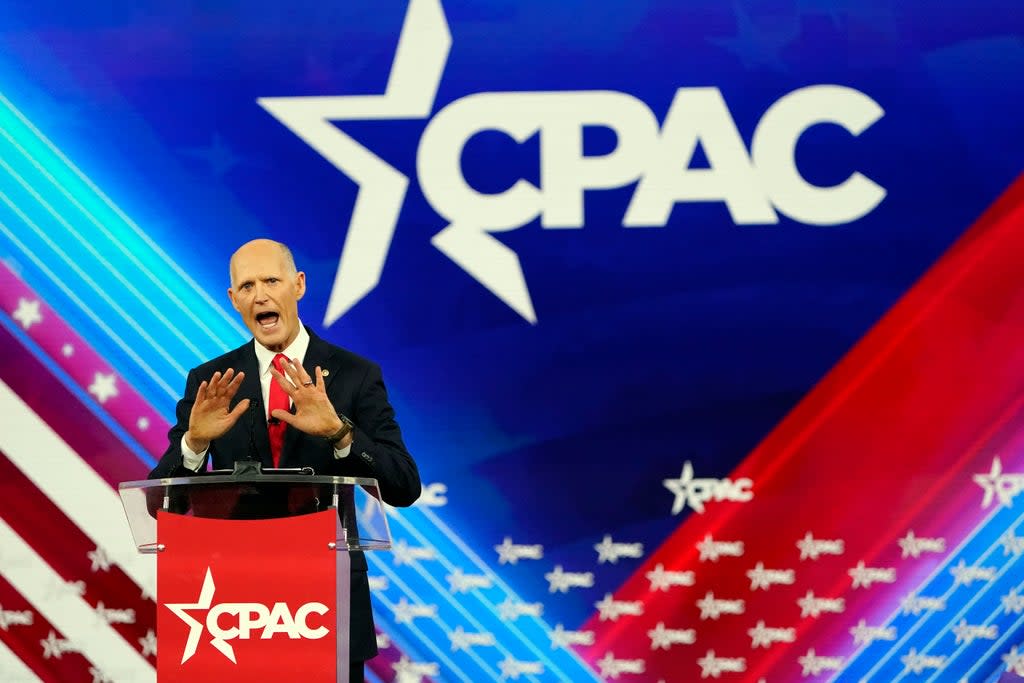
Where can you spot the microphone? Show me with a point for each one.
(253, 455)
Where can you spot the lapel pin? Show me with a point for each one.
(325, 372)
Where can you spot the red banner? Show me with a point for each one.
(252, 600)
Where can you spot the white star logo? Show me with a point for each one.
(27, 313)
(195, 627)
(659, 578)
(606, 551)
(103, 387)
(54, 647)
(67, 350)
(412, 85)
(1014, 661)
(506, 552)
(1004, 487)
(148, 643)
(661, 637)
(98, 676)
(99, 559)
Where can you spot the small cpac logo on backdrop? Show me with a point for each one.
(754, 184)
(254, 620)
(696, 492)
(999, 485)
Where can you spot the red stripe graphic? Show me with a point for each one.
(887, 442)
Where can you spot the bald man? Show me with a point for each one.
(340, 422)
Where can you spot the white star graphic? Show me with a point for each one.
(681, 488)
(420, 59)
(606, 551)
(103, 387)
(148, 643)
(1014, 661)
(195, 627)
(506, 554)
(67, 350)
(556, 580)
(100, 560)
(1004, 487)
(406, 671)
(658, 578)
(708, 665)
(53, 646)
(908, 545)
(27, 313)
(659, 637)
(142, 423)
(98, 676)
(607, 608)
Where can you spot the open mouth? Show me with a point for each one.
(267, 320)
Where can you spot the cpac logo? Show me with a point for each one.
(511, 553)
(917, 663)
(762, 578)
(865, 635)
(610, 551)
(765, 636)
(611, 609)
(913, 546)
(812, 664)
(710, 549)
(754, 184)
(714, 666)
(712, 607)
(967, 633)
(813, 548)
(696, 491)
(662, 579)
(510, 611)
(563, 638)
(812, 606)
(613, 668)
(915, 604)
(864, 576)
(252, 618)
(664, 638)
(965, 576)
(561, 581)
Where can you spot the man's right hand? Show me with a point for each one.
(210, 417)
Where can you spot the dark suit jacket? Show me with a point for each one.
(356, 388)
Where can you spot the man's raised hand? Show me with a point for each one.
(211, 417)
(314, 413)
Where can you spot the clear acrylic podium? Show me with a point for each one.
(253, 570)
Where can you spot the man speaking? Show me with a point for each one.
(324, 407)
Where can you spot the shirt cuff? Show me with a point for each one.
(340, 453)
(192, 460)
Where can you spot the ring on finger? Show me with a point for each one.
(308, 384)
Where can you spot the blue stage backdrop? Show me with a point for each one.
(703, 320)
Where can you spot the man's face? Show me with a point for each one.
(266, 291)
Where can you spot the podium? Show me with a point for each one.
(253, 570)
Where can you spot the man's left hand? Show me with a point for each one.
(314, 413)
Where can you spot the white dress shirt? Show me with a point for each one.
(264, 359)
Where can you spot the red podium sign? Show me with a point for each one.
(251, 600)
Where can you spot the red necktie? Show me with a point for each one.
(278, 400)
